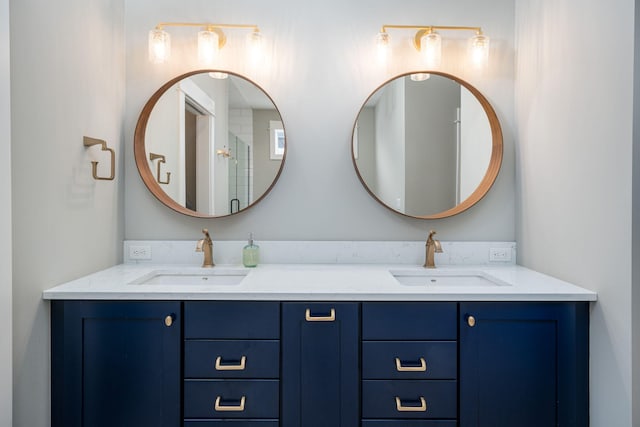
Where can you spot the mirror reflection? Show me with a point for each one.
(213, 144)
(427, 147)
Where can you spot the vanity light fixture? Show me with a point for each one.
(428, 42)
(211, 39)
(218, 75)
(420, 77)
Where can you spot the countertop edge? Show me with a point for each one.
(344, 283)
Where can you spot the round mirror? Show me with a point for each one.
(427, 145)
(209, 144)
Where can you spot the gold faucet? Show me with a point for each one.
(432, 246)
(206, 245)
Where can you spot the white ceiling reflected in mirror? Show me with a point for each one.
(427, 145)
(204, 144)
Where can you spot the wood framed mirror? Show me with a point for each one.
(210, 143)
(427, 145)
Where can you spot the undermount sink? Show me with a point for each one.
(212, 277)
(445, 278)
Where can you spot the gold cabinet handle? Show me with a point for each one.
(168, 321)
(238, 367)
(222, 408)
(471, 321)
(421, 368)
(421, 408)
(330, 318)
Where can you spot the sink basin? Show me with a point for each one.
(445, 278)
(212, 277)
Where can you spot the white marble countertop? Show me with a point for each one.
(321, 282)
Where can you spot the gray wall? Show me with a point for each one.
(264, 169)
(5, 221)
(635, 291)
(575, 172)
(321, 68)
(366, 147)
(67, 68)
(390, 146)
(430, 145)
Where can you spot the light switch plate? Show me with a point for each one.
(500, 254)
(139, 252)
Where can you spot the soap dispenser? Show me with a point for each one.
(250, 253)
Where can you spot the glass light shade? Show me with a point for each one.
(431, 49)
(420, 77)
(159, 46)
(218, 75)
(383, 45)
(254, 45)
(208, 47)
(479, 50)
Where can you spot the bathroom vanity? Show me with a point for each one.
(347, 346)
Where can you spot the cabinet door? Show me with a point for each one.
(524, 364)
(320, 364)
(115, 364)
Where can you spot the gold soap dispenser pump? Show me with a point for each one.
(250, 253)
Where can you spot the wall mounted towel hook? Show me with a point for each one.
(89, 142)
(161, 159)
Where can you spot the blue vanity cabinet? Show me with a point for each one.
(409, 364)
(231, 363)
(115, 364)
(524, 364)
(320, 364)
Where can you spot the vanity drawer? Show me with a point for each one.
(232, 423)
(231, 359)
(231, 320)
(416, 399)
(409, 321)
(261, 398)
(409, 360)
(405, 423)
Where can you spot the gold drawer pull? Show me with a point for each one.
(221, 408)
(330, 318)
(421, 368)
(421, 408)
(239, 367)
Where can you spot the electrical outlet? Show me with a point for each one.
(139, 252)
(500, 254)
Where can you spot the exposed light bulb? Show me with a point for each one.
(208, 47)
(383, 46)
(420, 77)
(159, 46)
(254, 46)
(479, 50)
(431, 49)
(218, 75)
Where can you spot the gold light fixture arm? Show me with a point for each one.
(422, 30)
(429, 28)
(161, 159)
(216, 28)
(89, 142)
